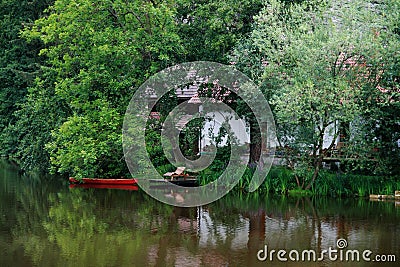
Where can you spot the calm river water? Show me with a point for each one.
(45, 223)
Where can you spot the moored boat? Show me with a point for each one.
(129, 187)
(103, 181)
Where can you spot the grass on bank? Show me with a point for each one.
(281, 181)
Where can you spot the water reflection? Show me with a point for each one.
(45, 223)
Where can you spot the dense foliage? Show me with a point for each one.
(68, 69)
(19, 65)
(323, 67)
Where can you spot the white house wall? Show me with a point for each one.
(329, 135)
(213, 126)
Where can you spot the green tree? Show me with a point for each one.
(100, 53)
(381, 109)
(314, 61)
(42, 111)
(211, 28)
(19, 64)
(84, 60)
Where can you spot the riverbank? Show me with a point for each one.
(281, 181)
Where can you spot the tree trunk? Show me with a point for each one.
(316, 171)
(255, 142)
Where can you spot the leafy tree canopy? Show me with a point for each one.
(99, 53)
(315, 62)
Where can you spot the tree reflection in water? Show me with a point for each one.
(44, 223)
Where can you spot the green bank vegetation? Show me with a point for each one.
(69, 68)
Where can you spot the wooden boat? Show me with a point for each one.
(106, 186)
(188, 182)
(100, 181)
(177, 177)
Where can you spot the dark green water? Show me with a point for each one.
(45, 223)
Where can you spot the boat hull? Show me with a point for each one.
(106, 186)
(181, 182)
(98, 181)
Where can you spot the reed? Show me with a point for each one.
(280, 181)
(322, 184)
(267, 186)
(388, 189)
(283, 183)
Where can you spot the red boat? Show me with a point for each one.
(106, 186)
(99, 181)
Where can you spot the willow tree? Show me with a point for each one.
(314, 61)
